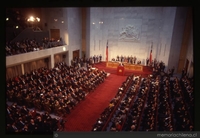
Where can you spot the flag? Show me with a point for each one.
(150, 58)
(107, 52)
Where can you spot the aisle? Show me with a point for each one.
(85, 114)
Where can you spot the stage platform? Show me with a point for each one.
(111, 67)
(128, 66)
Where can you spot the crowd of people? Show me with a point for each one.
(86, 62)
(165, 113)
(30, 45)
(134, 116)
(127, 59)
(26, 121)
(149, 120)
(158, 103)
(186, 84)
(119, 117)
(106, 115)
(55, 90)
(182, 106)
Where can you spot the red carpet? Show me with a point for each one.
(86, 113)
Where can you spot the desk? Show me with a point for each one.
(127, 66)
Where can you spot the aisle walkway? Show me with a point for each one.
(86, 113)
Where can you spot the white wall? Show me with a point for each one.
(69, 23)
(30, 56)
(168, 18)
(88, 25)
(74, 30)
(190, 54)
(152, 25)
(50, 14)
(178, 30)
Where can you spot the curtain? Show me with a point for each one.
(13, 71)
(58, 58)
(30, 66)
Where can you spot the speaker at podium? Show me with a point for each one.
(120, 69)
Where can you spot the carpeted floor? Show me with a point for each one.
(86, 113)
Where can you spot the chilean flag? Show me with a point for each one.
(107, 52)
(150, 58)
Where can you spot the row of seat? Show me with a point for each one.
(157, 105)
(119, 117)
(106, 116)
(28, 121)
(56, 90)
(134, 116)
(29, 45)
(182, 117)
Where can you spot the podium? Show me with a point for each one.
(120, 70)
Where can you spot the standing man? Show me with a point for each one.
(117, 57)
(94, 57)
(131, 59)
(183, 73)
(147, 61)
(134, 60)
(100, 57)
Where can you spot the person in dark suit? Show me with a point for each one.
(122, 58)
(183, 73)
(131, 59)
(100, 57)
(94, 59)
(147, 61)
(39, 123)
(25, 129)
(20, 123)
(117, 58)
(13, 128)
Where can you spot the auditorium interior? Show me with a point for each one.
(87, 69)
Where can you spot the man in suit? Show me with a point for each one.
(94, 59)
(20, 123)
(134, 60)
(32, 127)
(147, 61)
(100, 57)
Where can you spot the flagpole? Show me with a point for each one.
(94, 44)
(107, 51)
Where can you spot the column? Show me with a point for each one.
(22, 66)
(52, 60)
